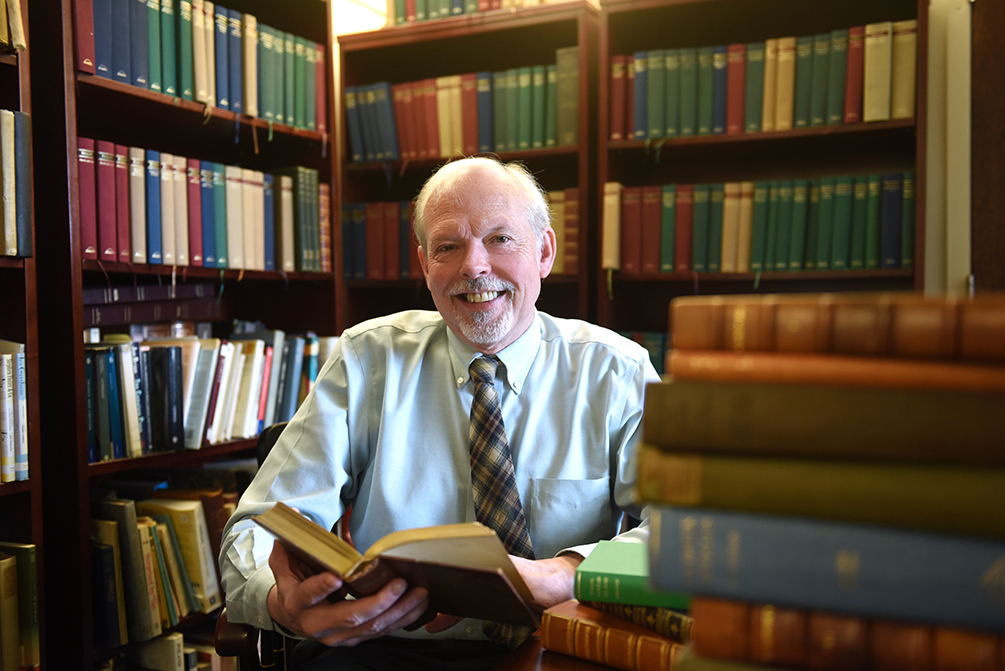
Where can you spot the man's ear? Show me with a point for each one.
(549, 245)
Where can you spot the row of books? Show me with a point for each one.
(173, 651)
(518, 109)
(166, 394)
(842, 222)
(146, 206)
(204, 52)
(15, 183)
(19, 618)
(827, 467)
(13, 412)
(411, 11)
(848, 75)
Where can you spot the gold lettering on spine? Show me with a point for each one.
(707, 558)
(687, 550)
(739, 327)
(768, 632)
(846, 566)
(733, 556)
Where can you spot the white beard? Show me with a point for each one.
(483, 328)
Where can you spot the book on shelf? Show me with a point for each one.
(27, 601)
(611, 227)
(575, 629)
(22, 178)
(104, 596)
(846, 567)
(618, 572)
(785, 83)
(10, 624)
(673, 624)
(106, 532)
(166, 599)
(937, 498)
(770, 79)
(16, 404)
(877, 71)
(164, 653)
(464, 567)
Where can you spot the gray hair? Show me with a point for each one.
(450, 177)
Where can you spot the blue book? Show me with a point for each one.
(384, 107)
(154, 45)
(208, 214)
(234, 61)
(114, 404)
(641, 93)
(354, 123)
(485, 109)
(891, 220)
(874, 571)
(139, 55)
(406, 246)
(220, 214)
(222, 54)
(121, 34)
(102, 38)
(269, 207)
(169, 49)
(93, 453)
(153, 193)
(720, 59)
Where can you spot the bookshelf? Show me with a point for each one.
(491, 42)
(638, 302)
(21, 505)
(76, 105)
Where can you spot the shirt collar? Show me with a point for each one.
(516, 359)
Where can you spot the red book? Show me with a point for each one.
(469, 113)
(484, 5)
(683, 224)
(617, 94)
(392, 239)
(321, 89)
(192, 165)
(406, 140)
(736, 83)
(83, 36)
(629, 97)
(375, 241)
(495, 4)
(122, 202)
(417, 119)
(108, 243)
(652, 219)
(432, 119)
(263, 396)
(87, 198)
(631, 230)
(410, 11)
(853, 81)
(325, 226)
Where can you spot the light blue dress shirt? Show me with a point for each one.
(386, 430)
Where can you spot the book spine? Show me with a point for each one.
(854, 75)
(87, 190)
(105, 184)
(631, 230)
(711, 70)
(673, 624)
(23, 188)
(83, 36)
(122, 210)
(102, 26)
(169, 47)
(754, 92)
(736, 78)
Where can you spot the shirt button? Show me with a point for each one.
(469, 631)
(460, 380)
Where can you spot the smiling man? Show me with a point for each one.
(392, 429)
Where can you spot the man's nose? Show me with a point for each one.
(476, 261)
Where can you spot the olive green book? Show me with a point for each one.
(618, 572)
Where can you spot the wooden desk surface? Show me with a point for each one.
(530, 656)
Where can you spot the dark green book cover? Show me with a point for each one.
(299, 82)
(800, 213)
(841, 239)
(837, 73)
(183, 29)
(154, 45)
(771, 235)
(667, 231)
(825, 227)
(784, 234)
(537, 100)
(812, 225)
(821, 81)
(803, 89)
(290, 79)
(266, 72)
(716, 199)
(907, 212)
(671, 75)
(688, 92)
(500, 92)
(759, 226)
(700, 229)
(310, 85)
(524, 94)
(859, 217)
(656, 94)
(168, 49)
(512, 115)
(706, 88)
(551, 105)
(753, 97)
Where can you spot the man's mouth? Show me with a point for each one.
(482, 297)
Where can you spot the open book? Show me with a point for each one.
(464, 567)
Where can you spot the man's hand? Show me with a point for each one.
(301, 606)
(551, 581)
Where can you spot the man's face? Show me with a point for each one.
(483, 263)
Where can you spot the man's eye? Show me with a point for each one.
(503, 238)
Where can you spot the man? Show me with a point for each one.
(386, 430)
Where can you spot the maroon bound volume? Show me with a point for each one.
(108, 243)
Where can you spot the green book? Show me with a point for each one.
(771, 234)
(700, 229)
(656, 94)
(800, 211)
(671, 75)
(873, 220)
(859, 217)
(290, 78)
(183, 30)
(784, 234)
(837, 73)
(154, 45)
(400, 10)
(812, 226)
(825, 224)
(551, 105)
(716, 201)
(310, 85)
(537, 100)
(618, 572)
(512, 115)
(169, 52)
(667, 230)
(753, 97)
(706, 90)
(220, 214)
(421, 10)
(524, 94)
(841, 239)
(499, 95)
(567, 96)
(821, 81)
(266, 72)
(759, 226)
(299, 82)
(688, 98)
(161, 569)
(803, 88)
(907, 211)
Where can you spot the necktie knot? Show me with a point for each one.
(483, 369)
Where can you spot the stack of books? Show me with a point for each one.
(826, 476)
(617, 618)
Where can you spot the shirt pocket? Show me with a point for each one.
(564, 513)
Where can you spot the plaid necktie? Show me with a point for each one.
(497, 501)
